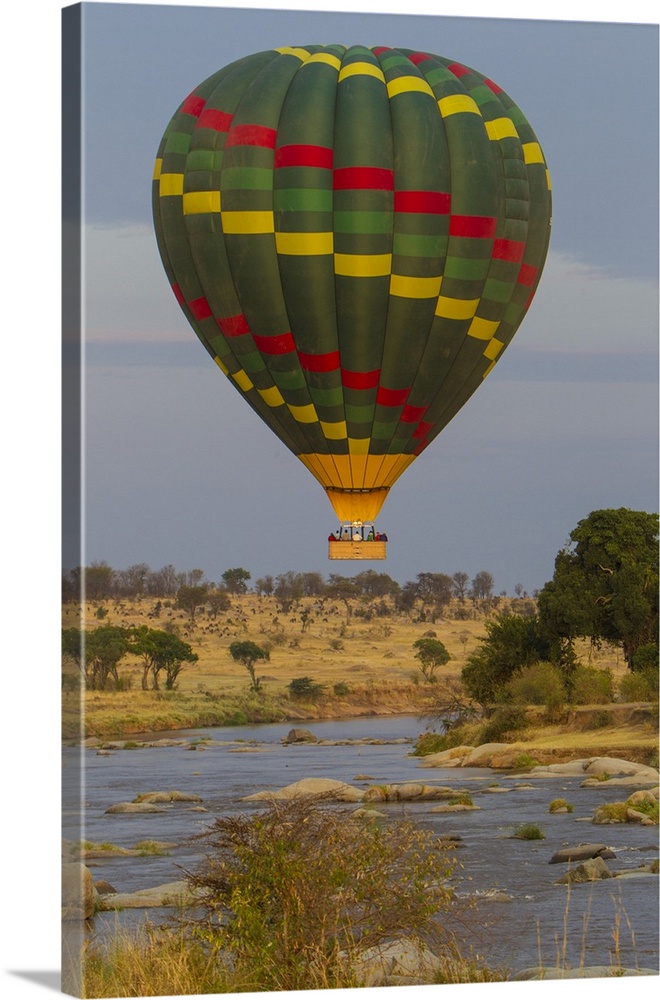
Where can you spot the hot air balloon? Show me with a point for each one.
(355, 235)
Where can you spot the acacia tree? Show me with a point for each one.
(511, 642)
(190, 599)
(605, 584)
(431, 654)
(236, 580)
(103, 648)
(247, 652)
(160, 651)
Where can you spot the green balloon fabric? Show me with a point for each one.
(355, 235)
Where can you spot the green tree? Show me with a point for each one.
(605, 584)
(217, 600)
(191, 598)
(160, 651)
(343, 588)
(512, 642)
(103, 648)
(236, 580)
(482, 586)
(431, 654)
(247, 652)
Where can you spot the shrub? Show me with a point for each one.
(341, 689)
(427, 743)
(529, 831)
(504, 720)
(524, 761)
(305, 687)
(541, 683)
(560, 805)
(641, 685)
(591, 686)
(292, 891)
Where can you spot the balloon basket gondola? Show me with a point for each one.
(356, 541)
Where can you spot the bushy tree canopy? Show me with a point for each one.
(605, 584)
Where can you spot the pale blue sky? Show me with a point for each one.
(180, 471)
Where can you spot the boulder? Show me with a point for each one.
(482, 756)
(453, 757)
(408, 791)
(300, 736)
(336, 791)
(169, 894)
(79, 897)
(615, 767)
(589, 871)
(172, 796)
(104, 888)
(581, 852)
(136, 807)
(642, 796)
(454, 807)
(583, 972)
(402, 960)
(635, 816)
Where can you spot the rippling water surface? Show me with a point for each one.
(601, 923)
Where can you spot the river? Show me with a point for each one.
(600, 923)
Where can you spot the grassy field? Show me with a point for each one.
(365, 663)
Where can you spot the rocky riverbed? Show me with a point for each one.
(473, 799)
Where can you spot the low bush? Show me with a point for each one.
(292, 891)
(591, 686)
(529, 831)
(505, 720)
(539, 684)
(560, 805)
(305, 687)
(640, 685)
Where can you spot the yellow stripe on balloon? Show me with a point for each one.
(361, 69)
(458, 104)
(493, 348)
(304, 414)
(301, 54)
(242, 380)
(449, 308)
(407, 287)
(272, 397)
(170, 185)
(358, 446)
(221, 365)
(158, 166)
(201, 202)
(482, 329)
(363, 265)
(335, 430)
(324, 57)
(237, 223)
(501, 128)
(304, 244)
(532, 152)
(405, 84)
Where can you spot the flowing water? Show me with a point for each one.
(531, 921)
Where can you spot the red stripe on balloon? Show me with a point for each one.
(479, 226)
(251, 135)
(178, 294)
(493, 86)
(319, 362)
(219, 121)
(363, 178)
(418, 57)
(458, 69)
(300, 155)
(512, 250)
(233, 326)
(200, 308)
(279, 343)
(192, 105)
(422, 430)
(527, 274)
(381, 49)
(411, 414)
(391, 397)
(432, 202)
(360, 380)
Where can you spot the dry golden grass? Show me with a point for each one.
(374, 659)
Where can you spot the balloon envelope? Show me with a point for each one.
(355, 236)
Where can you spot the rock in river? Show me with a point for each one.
(336, 791)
